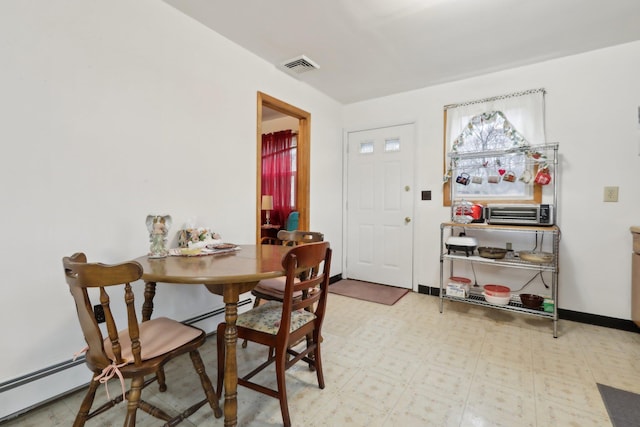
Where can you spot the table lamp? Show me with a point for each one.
(267, 205)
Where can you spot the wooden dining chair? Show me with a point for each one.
(139, 350)
(273, 289)
(279, 325)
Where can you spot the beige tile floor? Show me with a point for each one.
(410, 365)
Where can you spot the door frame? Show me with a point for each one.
(345, 173)
(303, 158)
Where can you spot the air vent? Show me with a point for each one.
(299, 65)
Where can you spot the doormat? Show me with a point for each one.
(367, 291)
(623, 406)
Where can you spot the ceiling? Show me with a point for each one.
(371, 48)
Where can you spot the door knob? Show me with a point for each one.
(407, 188)
(407, 220)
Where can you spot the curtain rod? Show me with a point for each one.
(495, 98)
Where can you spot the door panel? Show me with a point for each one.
(379, 198)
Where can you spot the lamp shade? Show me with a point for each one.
(267, 203)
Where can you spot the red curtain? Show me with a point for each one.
(278, 156)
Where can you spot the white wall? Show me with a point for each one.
(116, 109)
(592, 111)
(112, 110)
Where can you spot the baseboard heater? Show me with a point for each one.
(68, 364)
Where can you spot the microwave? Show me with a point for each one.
(520, 214)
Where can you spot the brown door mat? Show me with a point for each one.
(368, 291)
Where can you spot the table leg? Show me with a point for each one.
(231, 297)
(147, 306)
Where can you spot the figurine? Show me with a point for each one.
(158, 227)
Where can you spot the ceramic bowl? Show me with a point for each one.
(531, 300)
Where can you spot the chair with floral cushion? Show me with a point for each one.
(139, 350)
(279, 325)
(273, 289)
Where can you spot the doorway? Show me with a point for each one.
(268, 103)
(380, 205)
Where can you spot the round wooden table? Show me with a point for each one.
(227, 274)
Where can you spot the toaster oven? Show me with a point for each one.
(520, 214)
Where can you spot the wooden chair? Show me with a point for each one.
(279, 325)
(139, 350)
(273, 289)
(268, 240)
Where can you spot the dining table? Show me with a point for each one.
(228, 274)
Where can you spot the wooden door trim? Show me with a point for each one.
(303, 157)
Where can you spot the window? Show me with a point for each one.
(366, 147)
(279, 172)
(488, 125)
(392, 145)
(294, 172)
(491, 176)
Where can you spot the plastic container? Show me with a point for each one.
(496, 300)
(458, 287)
(547, 305)
(497, 290)
(459, 280)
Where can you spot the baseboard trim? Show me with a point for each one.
(574, 316)
(428, 290)
(40, 373)
(597, 320)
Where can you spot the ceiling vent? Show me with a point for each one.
(299, 65)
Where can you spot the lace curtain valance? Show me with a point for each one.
(524, 110)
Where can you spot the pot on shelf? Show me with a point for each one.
(492, 253)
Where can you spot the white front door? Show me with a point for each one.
(380, 205)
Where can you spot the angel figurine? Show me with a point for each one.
(158, 226)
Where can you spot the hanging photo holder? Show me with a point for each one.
(526, 176)
(509, 176)
(543, 177)
(464, 179)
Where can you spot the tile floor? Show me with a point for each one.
(410, 365)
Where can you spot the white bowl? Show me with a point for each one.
(497, 300)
